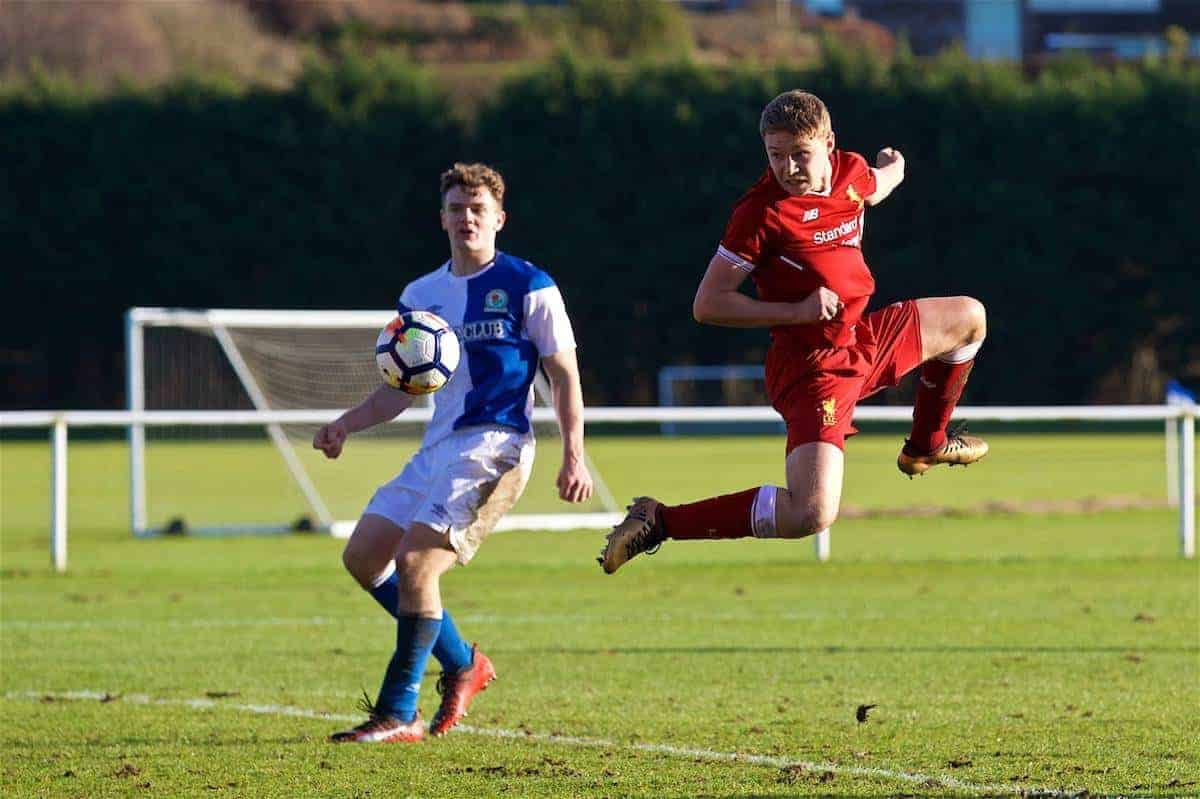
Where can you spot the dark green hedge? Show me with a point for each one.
(1064, 203)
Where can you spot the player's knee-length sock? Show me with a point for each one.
(402, 682)
(450, 649)
(938, 388)
(387, 593)
(746, 513)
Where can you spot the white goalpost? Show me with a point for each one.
(312, 365)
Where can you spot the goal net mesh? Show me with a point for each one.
(226, 478)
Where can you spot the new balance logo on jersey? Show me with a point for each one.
(835, 233)
(811, 214)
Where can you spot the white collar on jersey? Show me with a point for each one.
(449, 266)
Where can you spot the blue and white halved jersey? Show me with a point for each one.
(507, 316)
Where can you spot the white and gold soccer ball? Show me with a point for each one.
(417, 352)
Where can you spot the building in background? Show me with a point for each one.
(1030, 29)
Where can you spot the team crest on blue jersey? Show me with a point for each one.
(496, 301)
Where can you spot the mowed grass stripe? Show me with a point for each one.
(924, 780)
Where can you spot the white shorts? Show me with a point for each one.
(460, 486)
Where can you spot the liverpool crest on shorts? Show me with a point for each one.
(829, 412)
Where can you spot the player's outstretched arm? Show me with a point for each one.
(383, 404)
(574, 480)
(718, 302)
(889, 173)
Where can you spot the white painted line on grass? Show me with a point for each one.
(775, 761)
(381, 619)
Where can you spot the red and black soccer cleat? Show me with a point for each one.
(381, 729)
(459, 688)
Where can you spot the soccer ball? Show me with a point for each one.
(417, 352)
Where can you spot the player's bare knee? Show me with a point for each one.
(415, 568)
(358, 563)
(820, 519)
(976, 317)
(806, 521)
(414, 577)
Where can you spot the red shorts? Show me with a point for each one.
(816, 391)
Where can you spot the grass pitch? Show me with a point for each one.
(1005, 653)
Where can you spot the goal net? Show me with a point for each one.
(267, 478)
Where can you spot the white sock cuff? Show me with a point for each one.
(384, 575)
(762, 513)
(962, 354)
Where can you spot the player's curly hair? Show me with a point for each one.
(798, 112)
(474, 176)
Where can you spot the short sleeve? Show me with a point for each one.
(869, 183)
(747, 234)
(863, 179)
(405, 303)
(546, 322)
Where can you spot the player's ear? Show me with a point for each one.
(442, 217)
(830, 144)
(500, 218)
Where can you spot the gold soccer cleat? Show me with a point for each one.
(640, 531)
(959, 449)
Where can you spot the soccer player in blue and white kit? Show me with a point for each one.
(475, 457)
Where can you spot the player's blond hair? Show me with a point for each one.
(474, 176)
(798, 112)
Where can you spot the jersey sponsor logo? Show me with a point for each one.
(496, 301)
(829, 412)
(834, 233)
(811, 214)
(476, 331)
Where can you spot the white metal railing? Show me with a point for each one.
(868, 413)
(59, 421)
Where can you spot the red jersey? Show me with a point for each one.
(792, 245)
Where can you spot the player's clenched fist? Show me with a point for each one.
(574, 481)
(820, 306)
(888, 156)
(330, 438)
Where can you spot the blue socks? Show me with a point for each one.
(415, 637)
(450, 649)
(387, 594)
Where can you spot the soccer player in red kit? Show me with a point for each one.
(798, 234)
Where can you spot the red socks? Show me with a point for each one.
(939, 386)
(728, 516)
